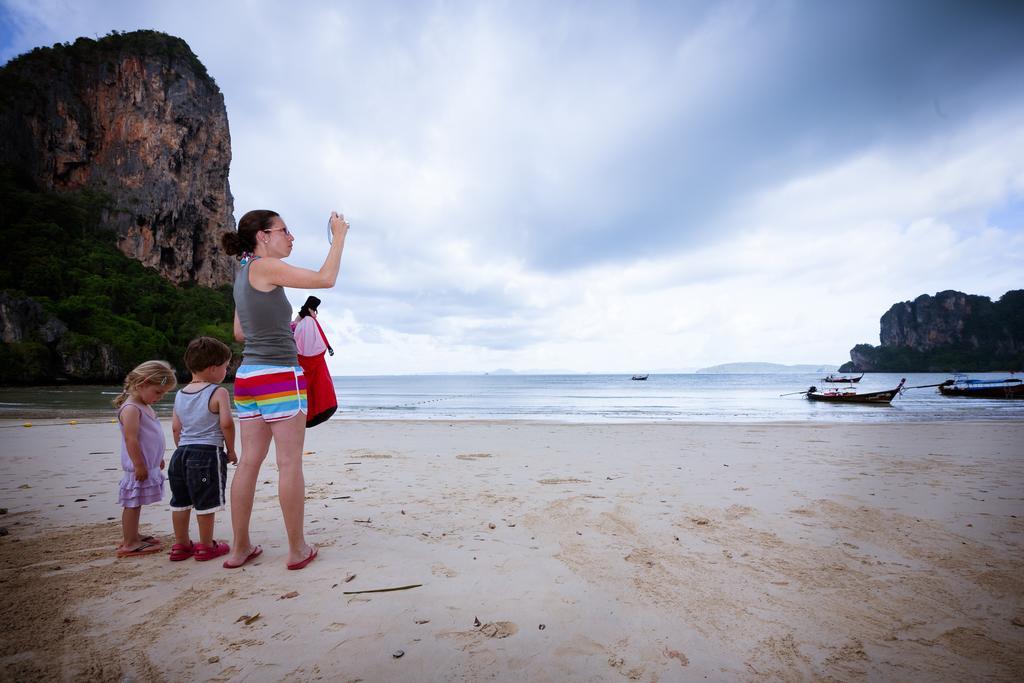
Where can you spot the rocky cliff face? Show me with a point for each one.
(947, 332)
(45, 350)
(136, 116)
(928, 322)
(22, 319)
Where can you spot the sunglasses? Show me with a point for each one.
(284, 230)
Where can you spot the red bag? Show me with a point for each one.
(321, 400)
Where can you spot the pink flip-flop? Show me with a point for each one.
(141, 549)
(149, 539)
(253, 554)
(309, 558)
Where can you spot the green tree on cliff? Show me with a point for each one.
(59, 255)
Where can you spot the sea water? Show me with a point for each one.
(582, 398)
(660, 398)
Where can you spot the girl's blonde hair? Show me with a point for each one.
(151, 372)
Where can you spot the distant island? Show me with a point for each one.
(948, 332)
(764, 369)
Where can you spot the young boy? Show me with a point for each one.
(202, 426)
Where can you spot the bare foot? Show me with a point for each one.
(236, 559)
(301, 561)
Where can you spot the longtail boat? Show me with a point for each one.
(840, 379)
(961, 386)
(850, 395)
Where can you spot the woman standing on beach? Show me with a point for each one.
(270, 388)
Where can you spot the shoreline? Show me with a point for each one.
(756, 399)
(8, 422)
(648, 551)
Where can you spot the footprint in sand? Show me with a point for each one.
(641, 556)
(499, 629)
(473, 456)
(441, 570)
(476, 636)
(619, 664)
(370, 455)
(734, 512)
(227, 674)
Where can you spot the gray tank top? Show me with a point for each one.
(264, 317)
(198, 424)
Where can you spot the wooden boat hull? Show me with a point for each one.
(1009, 391)
(842, 380)
(876, 397)
(869, 398)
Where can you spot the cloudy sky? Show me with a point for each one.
(593, 186)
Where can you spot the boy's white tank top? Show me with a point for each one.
(198, 424)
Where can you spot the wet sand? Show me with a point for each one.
(542, 552)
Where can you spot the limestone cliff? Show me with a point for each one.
(136, 116)
(950, 331)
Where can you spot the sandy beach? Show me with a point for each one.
(541, 552)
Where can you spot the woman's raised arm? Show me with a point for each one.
(271, 272)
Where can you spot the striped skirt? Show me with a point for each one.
(270, 392)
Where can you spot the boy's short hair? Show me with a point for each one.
(206, 352)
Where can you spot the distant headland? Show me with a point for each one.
(948, 332)
(765, 369)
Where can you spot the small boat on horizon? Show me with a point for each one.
(961, 386)
(839, 379)
(639, 378)
(850, 395)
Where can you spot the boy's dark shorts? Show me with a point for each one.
(197, 475)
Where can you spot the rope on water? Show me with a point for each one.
(68, 423)
(358, 411)
(412, 404)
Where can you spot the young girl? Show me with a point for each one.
(142, 451)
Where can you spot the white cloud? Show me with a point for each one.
(823, 257)
(608, 187)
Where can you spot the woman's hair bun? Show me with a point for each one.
(250, 224)
(232, 243)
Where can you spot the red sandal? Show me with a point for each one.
(209, 552)
(180, 551)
